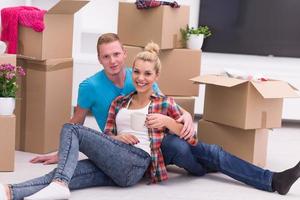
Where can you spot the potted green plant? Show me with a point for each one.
(192, 38)
(8, 87)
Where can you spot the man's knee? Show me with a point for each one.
(215, 149)
(173, 143)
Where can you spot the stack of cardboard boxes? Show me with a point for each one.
(7, 129)
(238, 113)
(46, 90)
(162, 25)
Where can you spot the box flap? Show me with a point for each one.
(67, 6)
(275, 89)
(218, 80)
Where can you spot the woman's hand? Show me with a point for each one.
(126, 138)
(156, 120)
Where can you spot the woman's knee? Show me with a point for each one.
(67, 126)
(68, 129)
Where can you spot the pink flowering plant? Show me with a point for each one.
(8, 79)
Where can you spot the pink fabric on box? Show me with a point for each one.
(11, 17)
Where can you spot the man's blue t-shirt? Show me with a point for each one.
(97, 92)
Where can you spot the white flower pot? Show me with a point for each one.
(2, 47)
(195, 41)
(7, 105)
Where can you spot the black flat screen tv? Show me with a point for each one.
(258, 27)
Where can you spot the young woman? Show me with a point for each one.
(122, 156)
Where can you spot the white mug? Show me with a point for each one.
(137, 121)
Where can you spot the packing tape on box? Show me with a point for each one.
(47, 65)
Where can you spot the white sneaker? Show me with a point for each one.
(54, 191)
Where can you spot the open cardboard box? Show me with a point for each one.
(57, 38)
(242, 103)
(161, 25)
(250, 145)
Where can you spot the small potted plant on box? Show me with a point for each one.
(8, 87)
(192, 38)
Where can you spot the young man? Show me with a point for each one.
(98, 91)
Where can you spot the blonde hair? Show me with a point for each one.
(107, 38)
(150, 54)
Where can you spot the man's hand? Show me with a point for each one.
(46, 159)
(188, 129)
(78, 117)
(126, 138)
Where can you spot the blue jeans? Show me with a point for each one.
(204, 158)
(198, 160)
(110, 163)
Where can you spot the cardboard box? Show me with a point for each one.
(250, 145)
(20, 125)
(131, 52)
(187, 103)
(178, 66)
(47, 102)
(8, 59)
(7, 142)
(57, 38)
(242, 103)
(161, 25)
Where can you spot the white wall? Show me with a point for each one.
(43, 4)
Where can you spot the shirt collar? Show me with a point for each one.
(154, 95)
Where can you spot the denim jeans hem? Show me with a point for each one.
(65, 181)
(14, 186)
(270, 188)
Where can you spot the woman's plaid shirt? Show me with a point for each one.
(159, 104)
